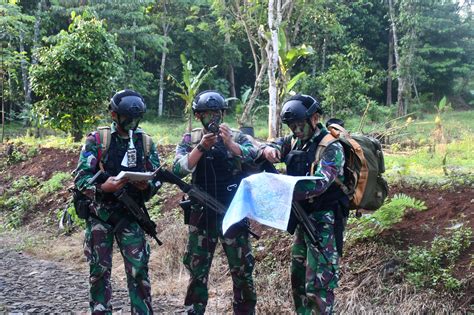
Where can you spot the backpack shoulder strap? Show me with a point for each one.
(103, 140)
(146, 139)
(235, 133)
(323, 144)
(196, 135)
(293, 143)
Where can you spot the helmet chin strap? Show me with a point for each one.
(314, 129)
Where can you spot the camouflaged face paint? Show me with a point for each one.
(301, 129)
(211, 117)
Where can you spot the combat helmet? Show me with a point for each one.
(299, 107)
(209, 100)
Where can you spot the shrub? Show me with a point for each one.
(432, 267)
(389, 214)
(55, 183)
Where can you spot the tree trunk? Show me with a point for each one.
(230, 73)
(323, 57)
(77, 131)
(272, 52)
(400, 77)
(36, 41)
(250, 39)
(24, 71)
(3, 93)
(260, 66)
(162, 81)
(389, 68)
(232, 81)
(166, 28)
(190, 122)
(246, 118)
(134, 44)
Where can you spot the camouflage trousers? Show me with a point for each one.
(135, 250)
(313, 279)
(198, 259)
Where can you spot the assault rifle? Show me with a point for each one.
(196, 195)
(134, 210)
(308, 226)
(302, 217)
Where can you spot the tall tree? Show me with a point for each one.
(445, 50)
(75, 76)
(274, 21)
(15, 31)
(237, 17)
(169, 16)
(403, 62)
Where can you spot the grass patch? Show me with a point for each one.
(51, 141)
(455, 160)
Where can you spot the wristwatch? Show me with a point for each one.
(201, 148)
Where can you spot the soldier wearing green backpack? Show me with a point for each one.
(314, 275)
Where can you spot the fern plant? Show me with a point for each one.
(389, 214)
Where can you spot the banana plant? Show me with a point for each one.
(189, 86)
(287, 59)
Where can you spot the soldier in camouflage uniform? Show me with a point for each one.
(213, 155)
(313, 275)
(126, 152)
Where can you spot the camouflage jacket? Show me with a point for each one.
(88, 163)
(328, 169)
(190, 140)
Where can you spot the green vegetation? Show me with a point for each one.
(24, 194)
(16, 201)
(72, 102)
(344, 47)
(55, 183)
(392, 212)
(433, 267)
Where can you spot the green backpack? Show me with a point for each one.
(363, 168)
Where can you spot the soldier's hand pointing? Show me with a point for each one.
(271, 154)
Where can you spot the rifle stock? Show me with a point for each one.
(136, 211)
(195, 193)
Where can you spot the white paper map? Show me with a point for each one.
(135, 176)
(265, 198)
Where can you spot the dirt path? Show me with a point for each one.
(32, 285)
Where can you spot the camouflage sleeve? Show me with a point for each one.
(329, 167)
(249, 151)
(282, 144)
(151, 165)
(87, 165)
(180, 163)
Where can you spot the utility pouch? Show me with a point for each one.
(185, 204)
(81, 203)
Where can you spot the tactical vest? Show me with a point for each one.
(113, 161)
(300, 162)
(216, 171)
